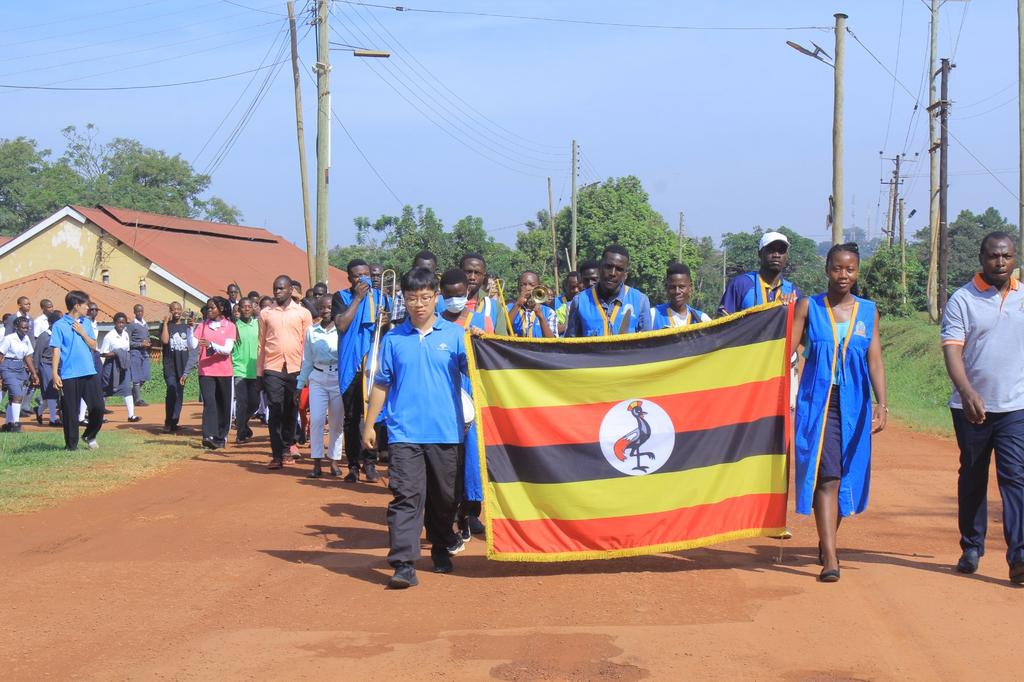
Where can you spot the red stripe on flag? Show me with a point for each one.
(696, 411)
(548, 536)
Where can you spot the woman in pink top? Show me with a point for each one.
(215, 337)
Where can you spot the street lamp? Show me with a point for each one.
(835, 217)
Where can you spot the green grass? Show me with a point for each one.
(154, 391)
(918, 386)
(36, 471)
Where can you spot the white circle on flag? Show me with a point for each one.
(637, 437)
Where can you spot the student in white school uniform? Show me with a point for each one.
(18, 371)
(115, 349)
(320, 372)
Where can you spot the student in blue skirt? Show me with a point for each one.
(834, 414)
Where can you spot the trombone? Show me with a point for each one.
(504, 306)
(388, 279)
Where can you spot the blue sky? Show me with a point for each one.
(733, 127)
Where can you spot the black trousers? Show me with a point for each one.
(1004, 433)
(352, 401)
(279, 389)
(74, 392)
(247, 399)
(216, 392)
(173, 401)
(422, 482)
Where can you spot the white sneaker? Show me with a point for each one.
(93, 445)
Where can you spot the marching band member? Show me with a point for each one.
(834, 415)
(320, 372)
(454, 287)
(570, 287)
(527, 319)
(677, 312)
(478, 297)
(767, 284)
(421, 359)
(609, 307)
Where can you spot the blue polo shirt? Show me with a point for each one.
(423, 373)
(75, 354)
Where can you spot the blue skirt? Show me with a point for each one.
(15, 376)
(46, 379)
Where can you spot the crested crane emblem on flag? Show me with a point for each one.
(637, 437)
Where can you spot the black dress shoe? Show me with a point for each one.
(134, 418)
(829, 576)
(1017, 573)
(209, 444)
(371, 473)
(352, 476)
(141, 403)
(317, 471)
(442, 561)
(968, 561)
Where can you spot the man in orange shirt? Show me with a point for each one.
(283, 328)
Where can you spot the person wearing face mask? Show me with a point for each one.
(469, 485)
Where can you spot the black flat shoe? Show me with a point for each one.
(1017, 573)
(968, 562)
(829, 576)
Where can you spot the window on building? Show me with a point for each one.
(142, 286)
(106, 276)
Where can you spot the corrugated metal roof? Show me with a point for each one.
(55, 284)
(208, 256)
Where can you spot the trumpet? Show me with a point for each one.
(540, 294)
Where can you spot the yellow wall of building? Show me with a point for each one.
(87, 251)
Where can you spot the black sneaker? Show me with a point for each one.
(405, 576)
(1017, 573)
(442, 560)
(968, 561)
(209, 444)
(352, 476)
(476, 527)
(457, 547)
(463, 526)
(134, 418)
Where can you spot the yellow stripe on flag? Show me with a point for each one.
(635, 495)
(557, 387)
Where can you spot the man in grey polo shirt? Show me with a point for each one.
(983, 345)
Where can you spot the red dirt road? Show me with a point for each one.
(218, 569)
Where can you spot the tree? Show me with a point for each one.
(881, 282)
(121, 172)
(965, 235)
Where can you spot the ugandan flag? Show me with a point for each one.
(616, 446)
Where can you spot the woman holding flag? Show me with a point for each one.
(356, 311)
(834, 415)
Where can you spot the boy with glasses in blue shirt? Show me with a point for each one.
(421, 364)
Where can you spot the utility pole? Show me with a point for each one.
(554, 238)
(933, 174)
(725, 253)
(300, 133)
(943, 186)
(681, 236)
(323, 136)
(889, 216)
(895, 199)
(903, 251)
(572, 240)
(837, 131)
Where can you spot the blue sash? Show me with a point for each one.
(594, 320)
(663, 318)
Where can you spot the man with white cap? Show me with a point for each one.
(766, 284)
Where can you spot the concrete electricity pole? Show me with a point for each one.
(933, 174)
(943, 186)
(837, 131)
(895, 200)
(572, 240)
(323, 136)
(903, 251)
(1020, 104)
(300, 133)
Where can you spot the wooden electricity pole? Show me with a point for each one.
(933, 173)
(300, 133)
(681, 236)
(903, 251)
(572, 240)
(323, 136)
(895, 200)
(943, 187)
(1020, 114)
(554, 237)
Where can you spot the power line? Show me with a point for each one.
(479, 136)
(78, 17)
(141, 87)
(892, 94)
(589, 22)
(956, 43)
(254, 9)
(355, 144)
(562, 153)
(987, 97)
(988, 111)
